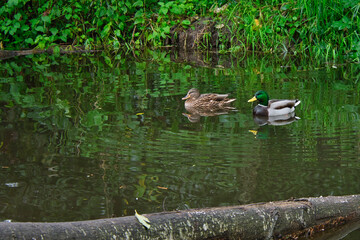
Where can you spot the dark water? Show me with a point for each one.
(87, 137)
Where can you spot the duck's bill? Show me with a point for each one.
(186, 97)
(252, 100)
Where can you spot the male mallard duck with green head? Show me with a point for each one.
(209, 100)
(273, 107)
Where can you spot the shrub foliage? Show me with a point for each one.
(318, 29)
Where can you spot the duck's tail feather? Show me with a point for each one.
(230, 100)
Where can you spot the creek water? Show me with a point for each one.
(96, 136)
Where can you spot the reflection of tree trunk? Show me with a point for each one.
(253, 221)
(247, 182)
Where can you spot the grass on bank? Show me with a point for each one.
(325, 29)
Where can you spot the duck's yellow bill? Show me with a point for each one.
(252, 100)
(186, 97)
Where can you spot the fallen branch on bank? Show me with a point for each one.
(63, 49)
(282, 219)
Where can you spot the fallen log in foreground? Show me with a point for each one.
(253, 221)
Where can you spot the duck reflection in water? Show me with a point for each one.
(195, 114)
(264, 131)
(275, 120)
(209, 104)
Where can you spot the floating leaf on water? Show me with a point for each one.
(143, 220)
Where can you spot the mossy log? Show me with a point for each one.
(254, 221)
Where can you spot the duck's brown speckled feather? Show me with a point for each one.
(208, 100)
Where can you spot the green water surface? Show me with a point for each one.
(96, 136)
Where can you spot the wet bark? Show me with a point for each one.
(333, 233)
(253, 221)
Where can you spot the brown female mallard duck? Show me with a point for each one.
(273, 107)
(208, 100)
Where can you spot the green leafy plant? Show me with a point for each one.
(308, 27)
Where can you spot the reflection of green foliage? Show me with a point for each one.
(76, 96)
(94, 118)
(146, 188)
